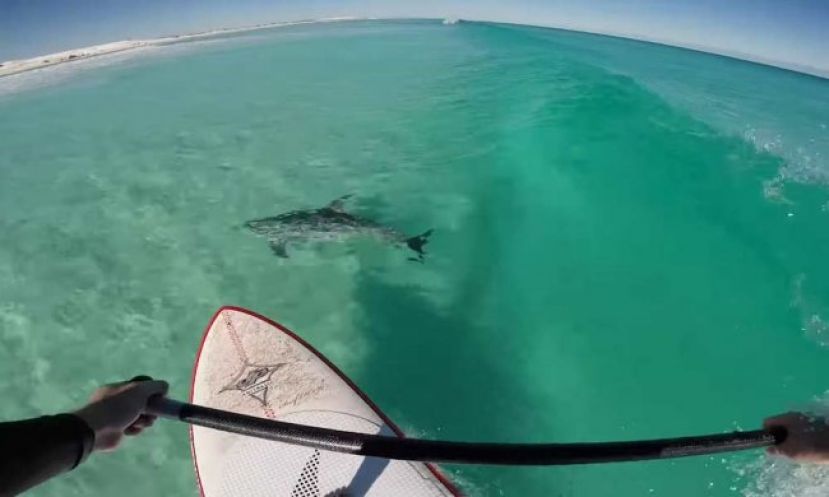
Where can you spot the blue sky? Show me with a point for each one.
(787, 32)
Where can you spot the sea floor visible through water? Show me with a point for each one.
(629, 240)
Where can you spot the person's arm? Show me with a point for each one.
(807, 437)
(34, 450)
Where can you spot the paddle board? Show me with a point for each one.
(251, 365)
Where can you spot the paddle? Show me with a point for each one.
(410, 449)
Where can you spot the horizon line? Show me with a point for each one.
(810, 71)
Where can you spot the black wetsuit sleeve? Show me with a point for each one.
(34, 450)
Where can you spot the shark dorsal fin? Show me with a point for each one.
(339, 204)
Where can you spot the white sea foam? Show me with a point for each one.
(774, 476)
(773, 190)
(777, 477)
(774, 125)
(778, 112)
(813, 324)
(817, 329)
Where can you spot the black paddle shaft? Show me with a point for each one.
(411, 449)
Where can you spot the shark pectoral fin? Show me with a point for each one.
(339, 204)
(279, 248)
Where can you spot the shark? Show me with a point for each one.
(330, 223)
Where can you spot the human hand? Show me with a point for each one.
(807, 437)
(118, 409)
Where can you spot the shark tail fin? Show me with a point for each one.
(417, 243)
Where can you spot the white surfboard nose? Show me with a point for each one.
(251, 365)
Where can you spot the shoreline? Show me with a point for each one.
(12, 67)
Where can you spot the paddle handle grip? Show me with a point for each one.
(460, 452)
(164, 407)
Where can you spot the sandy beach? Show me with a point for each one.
(10, 67)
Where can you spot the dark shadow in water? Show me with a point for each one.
(436, 367)
(418, 348)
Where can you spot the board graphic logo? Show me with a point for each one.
(254, 380)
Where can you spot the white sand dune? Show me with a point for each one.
(17, 66)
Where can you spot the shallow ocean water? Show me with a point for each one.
(630, 239)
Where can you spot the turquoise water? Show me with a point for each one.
(630, 240)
